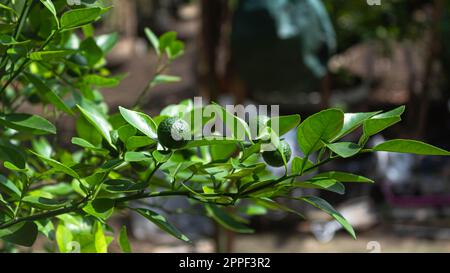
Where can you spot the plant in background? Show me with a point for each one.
(69, 195)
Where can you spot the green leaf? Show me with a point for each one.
(136, 142)
(380, 122)
(4, 206)
(344, 177)
(397, 112)
(353, 121)
(86, 144)
(91, 51)
(2, 6)
(319, 129)
(226, 220)
(136, 157)
(7, 40)
(175, 50)
(124, 244)
(285, 123)
(12, 156)
(49, 5)
(164, 79)
(44, 203)
(64, 238)
(322, 183)
(101, 208)
(49, 55)
(107, 41)
(326, 207)
(27, 123)
(344, 149)
(46, 227)
(47, 94)
(101, 245)
(123, 185)
(140, 121)
(297, 164)
(272, 205)
(42, 147)
(99, 81)
(9, 187)
(162, 223)
(23, 234)
(162, 156)
(79, 17)
(410, 147)
(125, 132)
(99, 123)
(374, 126)
(238, 128)
(153, 40)
(166, 40)
(57, 166)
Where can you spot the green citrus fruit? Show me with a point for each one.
(173, 133)
(274, 158)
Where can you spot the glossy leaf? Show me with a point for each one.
(23, 234)
(318, 129)
(107, 41)
(344, 177)
(124, 244)
(322, 183)
(43, 203)
(285, 123)
(101, 245)
(226, 220)
(162, 223)
(99, 123)
(9, 187)
(32, 124)
(57, 166)
(410, 147)
(51, 7)
(326, 207)
(353, 121)
(79, 17)
(153, 39)
(47, 94)
(101, 208)
(344, 149)
(140, 121)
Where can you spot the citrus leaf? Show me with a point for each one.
(319, 129)
(226, 220)
(140, 121)
(410, 147)
(27, 123)
(162, 223)
(124, 244)
(326, 207)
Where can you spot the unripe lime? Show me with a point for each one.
(274, 158)
(173, 133)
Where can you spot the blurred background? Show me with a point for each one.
(305, 55)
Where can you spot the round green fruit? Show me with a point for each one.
(274, 158)
(173, 133)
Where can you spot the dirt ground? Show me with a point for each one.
(378, 240)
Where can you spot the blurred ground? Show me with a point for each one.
(306, 243)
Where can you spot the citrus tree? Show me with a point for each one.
(51, 57)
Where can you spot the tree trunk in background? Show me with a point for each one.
(419, 103)
(123, 18)
(212, 13)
